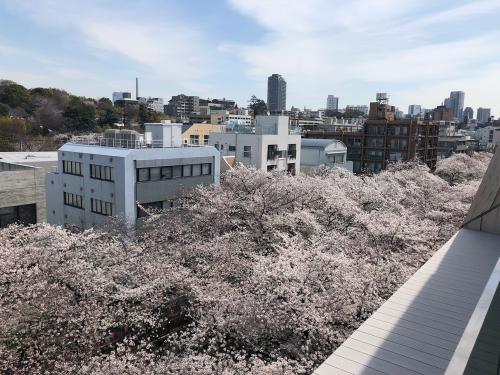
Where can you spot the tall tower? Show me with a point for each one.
(137, 88)
(276, 93)
(332, 103)
(457, 104)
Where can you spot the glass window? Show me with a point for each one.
(206, 169)
(232, 148)
(166, 173)
(176, 171)
(186, 170)
(143, 174)
(247, 151)
(196, 170)
(154, 174)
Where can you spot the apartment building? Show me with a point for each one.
(271, 147)
(123, 172)
(181, 106)
(385, 139)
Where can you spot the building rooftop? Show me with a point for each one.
(321, 143)
(28, 157)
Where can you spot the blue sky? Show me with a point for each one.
(416, 50)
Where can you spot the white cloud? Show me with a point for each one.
(330, 46)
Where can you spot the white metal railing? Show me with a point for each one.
(123, 143)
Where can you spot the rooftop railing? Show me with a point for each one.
(124, 143)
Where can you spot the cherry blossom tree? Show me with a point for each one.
(264, 274)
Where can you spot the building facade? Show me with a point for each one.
(332, 103)
(456, 103)
(329, 153)
(468, 115)
(22, 186)
(276, 93)
(199, 134)
(414, 110)
(483, 115)
(385, 139)
(181, 106)
(121, 174)
(442, 113)
(270, 148)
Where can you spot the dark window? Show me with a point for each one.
(166, 173)
(232, 148)
(101, 172)
(216, 146)
(247, 151)
(196, 170)
(186, 171)
(143, 174)
(73, 200)
(206, 169)
(154, 174)
(25, 214)
(72, 167)
(101, 207)
(177, 171)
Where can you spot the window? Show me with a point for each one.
(186, 170)
(216, 146)
(72, 167)
(232, 148)
(143, 174)
(73, 200)
(101, 172)
(166, 173)
(154, 174)
(292, 151)
(206, 169)
(196, 170)
(247, 151)
(176, 171)
(101, 207)
(194, 139)
(205, 139)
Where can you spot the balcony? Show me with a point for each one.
(446, 318)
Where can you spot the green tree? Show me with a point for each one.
(258, 106)
(16, 96)
(4, 109)
(80, 115)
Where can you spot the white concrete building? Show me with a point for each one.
(115, 174)
(271, 147)
(329, 153)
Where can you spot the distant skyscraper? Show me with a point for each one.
(414, 110)
(468, 114)
(332, 103)
(457, 104)
(483, 115)
(276, 93)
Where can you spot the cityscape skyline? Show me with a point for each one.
(82, 48)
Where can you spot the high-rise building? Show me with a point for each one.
(332, 103)
(119, 95)
(483, 115)
(276, 93)
(468, 114)
(414, 110)
(457, 104)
